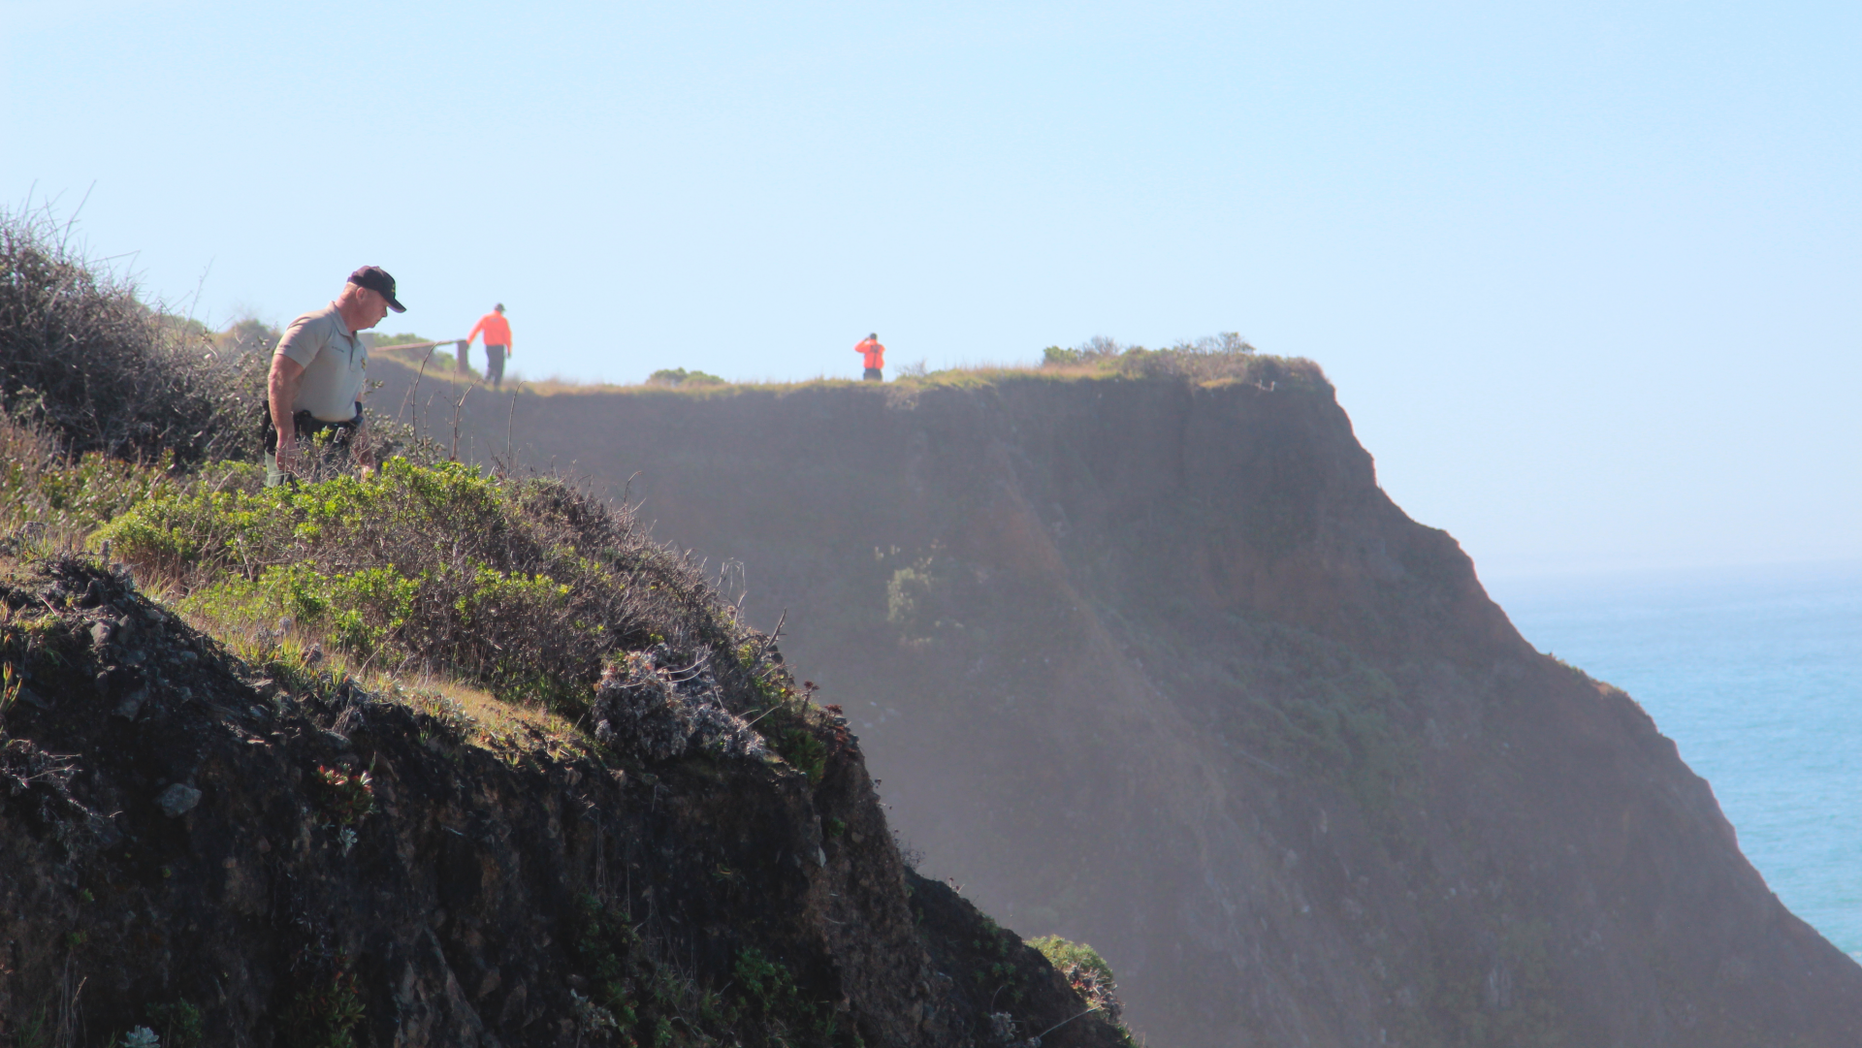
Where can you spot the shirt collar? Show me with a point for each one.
(342, 326)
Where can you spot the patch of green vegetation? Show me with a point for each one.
(519, 586)
(789, 722)
(924, 594)
(34, 636)
(324, 1013)
(768, 991)
(1064, 954)
(800, 747)
(604, 943)
(347, 797)
(996, 965)
(61, 498)
(677, 377)
(27, 633)
(905, 591)
(284, 581)
(35, 1032)
(10, 684)
(767, 985)
(1217, 359)
(1089, 975)
(646, 1002)
(179, 1023)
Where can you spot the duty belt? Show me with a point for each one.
(306, 424)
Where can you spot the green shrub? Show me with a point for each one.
(43, 488)
(770, 992)
(1219, 358)
(1089, 975)
(521, 585)
(324, 1012)
(179, 1023)
(1066, 955)
(801, 748)
(347, 797)
(682, 377)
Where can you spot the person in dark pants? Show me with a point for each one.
(875, 358)
(317, 378)
(497, 332)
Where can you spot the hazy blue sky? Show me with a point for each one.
(1585, 274)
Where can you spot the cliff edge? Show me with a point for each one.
(1153, 662)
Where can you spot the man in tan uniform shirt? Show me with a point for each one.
(318, 371)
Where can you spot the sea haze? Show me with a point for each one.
(1756, 674)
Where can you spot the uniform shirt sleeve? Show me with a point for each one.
(476, 328)
(304, 339)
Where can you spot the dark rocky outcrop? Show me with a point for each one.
(1156, 665)
(188, 847)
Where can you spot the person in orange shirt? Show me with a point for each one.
(875, 358)
(497, 332)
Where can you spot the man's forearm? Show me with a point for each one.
(281, 410)
(280, 393)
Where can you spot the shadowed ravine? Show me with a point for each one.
(1157, 666)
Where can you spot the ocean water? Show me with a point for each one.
(1757, 676)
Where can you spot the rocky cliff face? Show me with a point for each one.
(225, 858)
(1157, 665)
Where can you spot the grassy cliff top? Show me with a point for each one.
(1205, 365)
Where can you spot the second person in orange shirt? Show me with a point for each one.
(497, 332)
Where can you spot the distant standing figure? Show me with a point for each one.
(497, 331)
(875, 358)
(317, 374)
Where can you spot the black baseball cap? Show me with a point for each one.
(376, 279)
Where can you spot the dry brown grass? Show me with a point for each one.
(1206, 362)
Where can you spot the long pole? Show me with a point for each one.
(416, 345)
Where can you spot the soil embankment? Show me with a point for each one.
(1157, 666)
